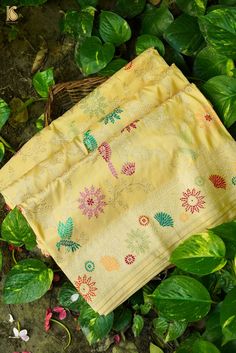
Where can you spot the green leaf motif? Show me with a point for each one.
(155, 21)
(64, 297)
(168, 330)
(228, 316)
(122, 318)
(182, 298)
(129, 8)
(4, 112)
(42, 81)
(27, 281)
(65, 230)
(187, 42)
(164, 219)
(79, 24)
(219, 31)
(221, 91)
(210, 63)
(193, 7)
(2, 151)
(92, 56)
(113, 28)
(146, 41)
(113, 116)
(16, 230)
(138, 324)
(200, 254)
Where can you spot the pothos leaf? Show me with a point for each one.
(4, 112)
(137, 326)
(2, 151)
(42, 81)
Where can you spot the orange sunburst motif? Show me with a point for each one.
(192, 200)
(86, 287)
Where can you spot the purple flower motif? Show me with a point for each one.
(91, 202)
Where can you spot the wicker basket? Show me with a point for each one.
(64, 96)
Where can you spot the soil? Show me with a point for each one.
(37, 24)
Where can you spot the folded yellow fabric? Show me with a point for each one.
(112, 186)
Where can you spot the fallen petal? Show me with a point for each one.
(16, 332)
(11, 319)
(74, 297)
(25, 338)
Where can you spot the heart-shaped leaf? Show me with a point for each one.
(92, 56)
(168, 330)
(182, 298)
(193, 7)
(200, 254)
(228, 316)
(2, 151)
(218, 29)
(27, 281)
(65, 297)
(155, 21)
(129, 8)
(122, 318)
(4, 112)
(113, 66)
(226, 231)
(221, 91)
(184, 35)
(113, 28)
(79, 24)
(138, 324)
(42, 81)
(201, 346)
(148, 41)
(16, 230)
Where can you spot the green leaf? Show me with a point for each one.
(168, 330)
(64, 297)
(226, 231)
(200, 254)
(228, 2)
(182, 298)
(42, 81)
(221, 91)
(154, 349)
(23, 2)
(210, 63)
(156, 21)
(201, 346)
(113, 28)
(113, 66)
(219, 31)
(19, 112)
(79, 24)
(102, 325)
(40, 122)
(2, 151)
(184, 35)
(173, 56)
(192, 7)
(27, 281)
(145, 308)
(186, 346)
(213, 330)
(4, 112)
(122, 318)
(0, 259)
(129, 8)
(148, 41)
(137, 326)
(92, 56)
(228, 316)
(16, 230)
(125, 347)
(84, 3)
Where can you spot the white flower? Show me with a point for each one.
(21, 334)
(11, 319)
(74, 297)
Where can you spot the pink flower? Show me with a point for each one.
(117, 339)
(61, 311)
(48, 317)
(92, 202)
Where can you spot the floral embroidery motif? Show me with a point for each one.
(183, 217)
(113, 116)
(199, 181)
(86, 287)
(143, 220)
(110, 263)
(234, 180)
(89, 141)
(129, 65)
(164, 219)
(137, 241)
(192, 200)
(218, 181)
(92, 202)
(105, 151)
(208, 117)
(128, 168)
(131, 126)
(65, 231)
(129, 259)
(89, 266)
(98, 106)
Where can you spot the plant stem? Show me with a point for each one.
(13, 256)
(7, 145)
(66, 329)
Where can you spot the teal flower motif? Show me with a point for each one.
(137, 241)
(164, 219)
(234, 180)
(113, 116)
(89, 266)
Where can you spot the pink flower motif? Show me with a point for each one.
(92, 202)
(61, 311)
(208, 117)
(128, 168)
(192, 200)
(47, 319)
(129, 259)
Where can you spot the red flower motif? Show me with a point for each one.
(192, 200)
(131, 126)
(92, 202)
(143, 220)
(208, 117)
(128, 168)
(129, 259)
(86, 287)
(47, 319)
(218, 181)
(129, 65)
